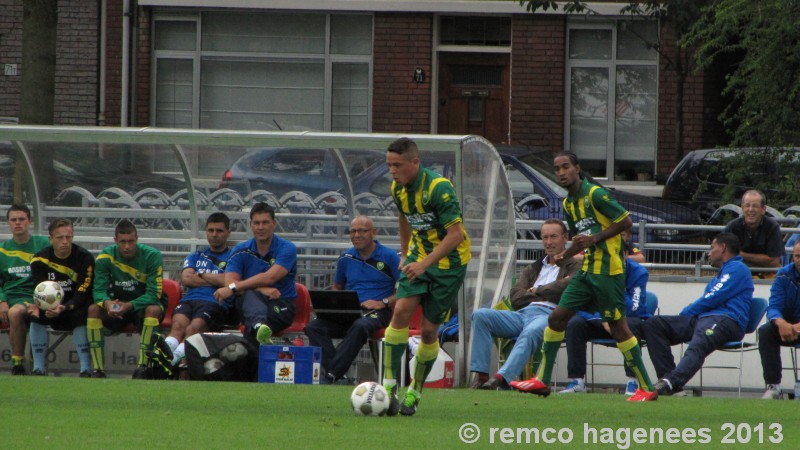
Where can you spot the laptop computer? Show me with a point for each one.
(338, 306)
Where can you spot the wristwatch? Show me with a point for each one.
(386, 301)
(232, 287)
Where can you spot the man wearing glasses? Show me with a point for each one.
(371, 269)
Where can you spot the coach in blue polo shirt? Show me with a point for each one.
(261, 273)
(371, 269)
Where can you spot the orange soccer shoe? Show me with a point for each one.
(532, 386)
(644, 396)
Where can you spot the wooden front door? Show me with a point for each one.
(473, 95)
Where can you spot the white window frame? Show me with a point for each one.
(611, 65)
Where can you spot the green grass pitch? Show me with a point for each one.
(67, 412)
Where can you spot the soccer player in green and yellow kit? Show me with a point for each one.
(127, 289)
(436, 249)
(595, 220)
(16, 285)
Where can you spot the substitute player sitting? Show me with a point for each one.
(127, 289)
(72, 267)
(203, 273)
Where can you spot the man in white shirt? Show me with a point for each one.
(533, 298)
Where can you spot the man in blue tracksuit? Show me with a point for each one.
(783, 323)
(584, 326)
(719, 316)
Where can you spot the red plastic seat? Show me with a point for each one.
(302, 312)
(174, 294)
(414, 326)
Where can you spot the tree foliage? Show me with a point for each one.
(764, 38)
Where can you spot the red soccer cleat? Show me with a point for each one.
(532, 386)
(644, 396)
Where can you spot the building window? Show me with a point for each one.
(263, 71)
(612, 72)
(475, 31)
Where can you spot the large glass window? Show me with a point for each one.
(613, 98)
(262, 71)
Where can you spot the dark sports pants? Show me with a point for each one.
(704, 335)
(256, 308)
(336, 361)
(769, 346)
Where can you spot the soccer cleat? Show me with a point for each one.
(497, 383)
(479, 380)
(38, 373)
(409, 406)
(643, 396)
(97, 373)
(264, 335)
(663, 387)
(18, 370)
(575, 386)
(141, 373)
(85, 374)
(773, 392)
(394, 404)
(532, 386)
(631, 387)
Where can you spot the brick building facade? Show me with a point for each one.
(402, 42)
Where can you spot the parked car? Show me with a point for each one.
(539, 196)
(283, 170)
(701, 178)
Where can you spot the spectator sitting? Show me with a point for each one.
(720, 315)
(783, 323)
(533, 298)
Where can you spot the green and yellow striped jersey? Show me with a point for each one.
(137, 280)
(16, 285)
(591, 212)
(431, 206)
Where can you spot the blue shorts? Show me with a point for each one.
(214, 314)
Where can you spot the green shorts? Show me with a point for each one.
(437, 290)
(596, 293)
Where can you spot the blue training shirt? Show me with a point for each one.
(206, 261)
(727, 294)
(246, 261)
(373, 278)
(784, 295)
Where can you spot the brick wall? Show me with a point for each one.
(76, 63)
(113, 62)
(402, 43)
(537, 80)
(142, 77)
(10, 53)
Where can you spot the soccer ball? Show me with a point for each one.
(233, 352)
(48, 294)
(212, 365)
(370, 399)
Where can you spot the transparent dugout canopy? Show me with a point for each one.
(168, 182)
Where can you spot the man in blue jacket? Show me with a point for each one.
(584, 326)
(783, 323)
(719, 316)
